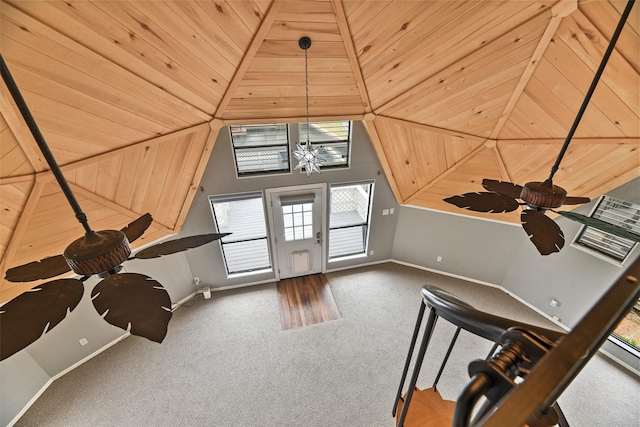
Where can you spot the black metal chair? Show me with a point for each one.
(444, 304)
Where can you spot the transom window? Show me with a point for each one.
(334, 137)
(260, 148)
(246, 249)
(349, 219)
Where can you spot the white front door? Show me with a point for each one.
(297, 221)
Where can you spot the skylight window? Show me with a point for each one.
(260, 149)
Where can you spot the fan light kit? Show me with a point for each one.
(134, 302)
(540, 197)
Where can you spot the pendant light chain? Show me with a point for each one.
(306, 87)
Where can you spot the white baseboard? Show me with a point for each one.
(31, 402)
(351, 267)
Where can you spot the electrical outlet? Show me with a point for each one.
(196, 280)
(391, 211)
(439, 259)
(554, 303)
(83, 341)
(385, 212)
(371, 252)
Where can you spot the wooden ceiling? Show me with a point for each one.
(130, 96)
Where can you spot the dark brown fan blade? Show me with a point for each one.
(137, 228)
(178, 245)
(43, 269)
(134, 302)
(502, 187)
(575, 200)
(484, 202)
(601, 225)
(543, 231)
(24, 319)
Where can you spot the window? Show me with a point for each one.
(349, 219)
(260, 148)
(298, 220)
(606, 245)
(334, 137)
(247, 249)
(628, 330)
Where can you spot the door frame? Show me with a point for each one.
(272, 241)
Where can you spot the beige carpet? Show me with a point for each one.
(226, 362)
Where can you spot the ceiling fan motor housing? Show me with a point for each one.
(98, 252)
(543, 195)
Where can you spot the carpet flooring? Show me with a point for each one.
(227, 362)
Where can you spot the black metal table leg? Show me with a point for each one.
(446, 357)
(428, 331)
(416, 330)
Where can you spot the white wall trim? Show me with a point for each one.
(620, 361)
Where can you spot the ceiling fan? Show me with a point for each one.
(540, 197)
(131, 301)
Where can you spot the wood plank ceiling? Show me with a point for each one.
(130, 96)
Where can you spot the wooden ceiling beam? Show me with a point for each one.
(577, 141)
(450, 132)
(558, 12)
(214, 128)
(493, 146)
(21, 131)
(258, 38)
(22, 225)
(123, 150)
(351, 53)
(370, 127)
(448, 172)
(131, 215)
(291, 119)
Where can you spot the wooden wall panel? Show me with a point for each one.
(401, 46)
(472, 92)
(13, 161)
(274, 83)
(586, 170)
(150, 177)
(12, 200)
(550, 102)
(467, 177)
(417, 156)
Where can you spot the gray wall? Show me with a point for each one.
(471, 247)
(21, 378)
(220, 179)
(571, 276)
(26, 372)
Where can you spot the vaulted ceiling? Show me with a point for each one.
(130, 96)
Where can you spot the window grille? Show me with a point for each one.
(260, 148)
(334, 137)
(614, 211)
(247, 248)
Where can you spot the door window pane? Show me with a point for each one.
(298, 221)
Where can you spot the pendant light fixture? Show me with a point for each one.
(308, 156)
